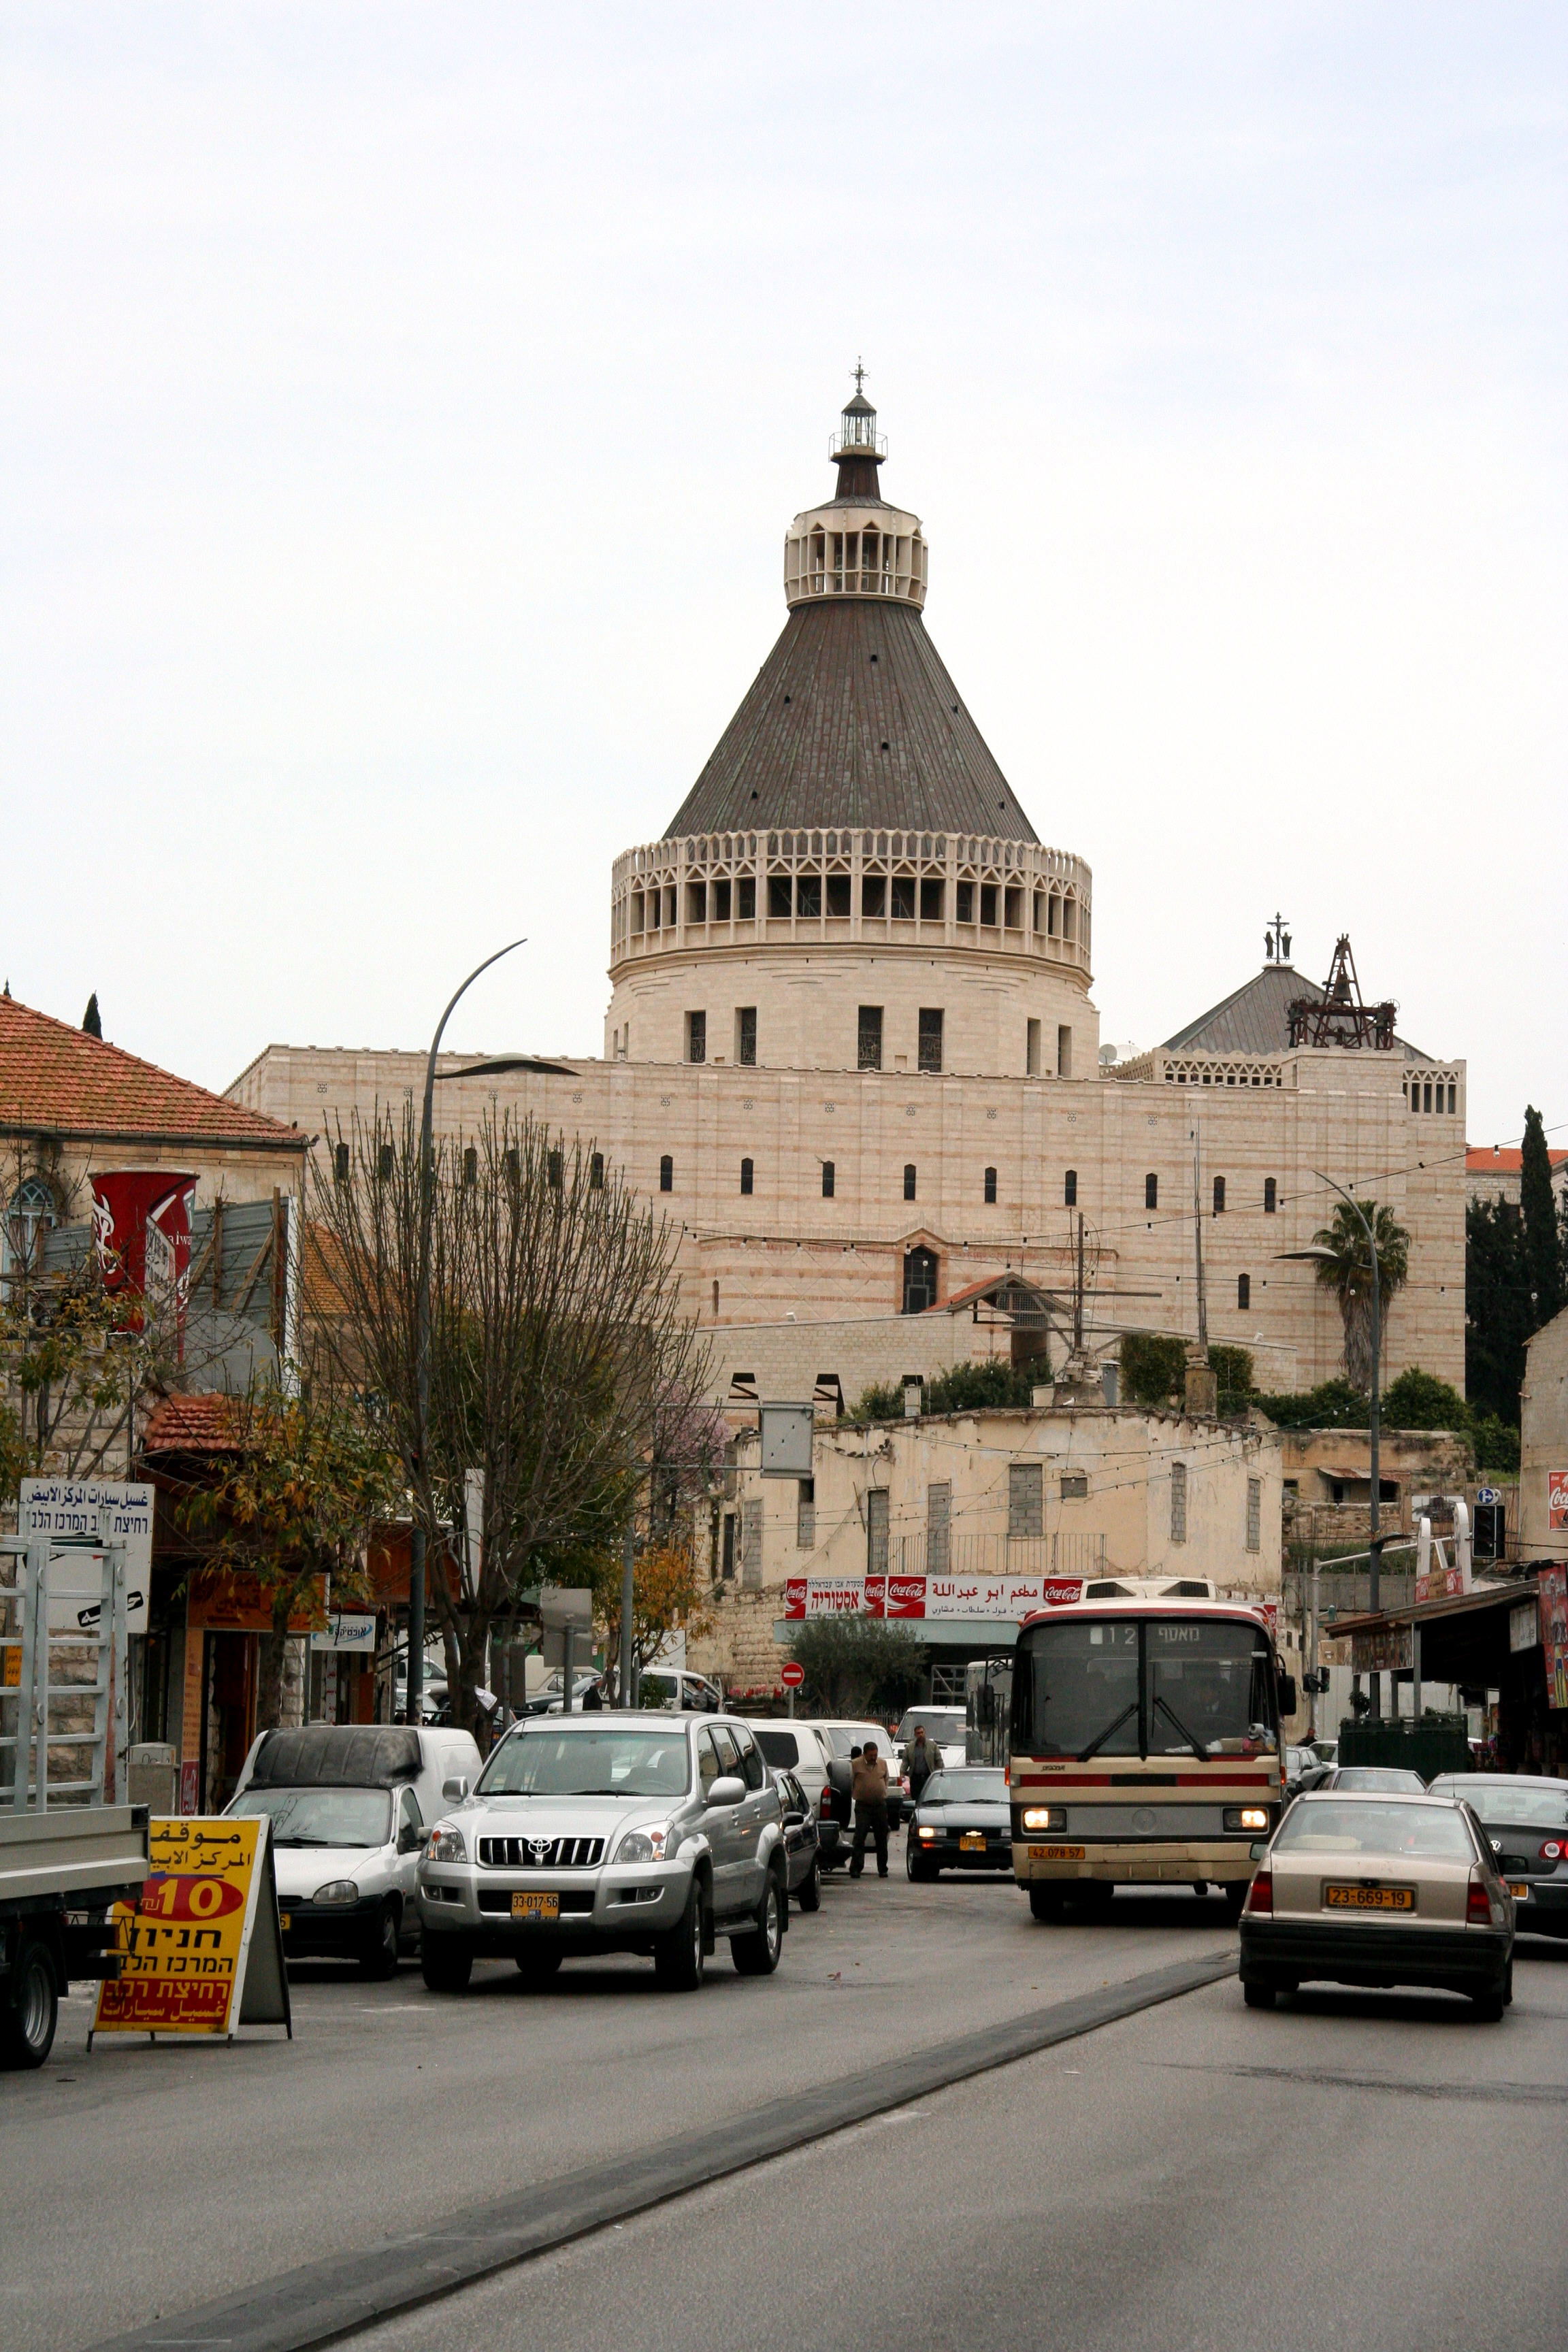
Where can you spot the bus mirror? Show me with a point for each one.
(1286, 1694)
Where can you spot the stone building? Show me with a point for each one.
(965, 1516)
(1543, 1445)
(851, 1050)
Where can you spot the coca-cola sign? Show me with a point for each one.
(1008, 1599)
(141, 1232)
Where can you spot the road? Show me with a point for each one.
(141, 2182)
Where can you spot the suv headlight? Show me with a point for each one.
(447, 1844)
(1045, 1817)
(653, 1843)
(337, 1890)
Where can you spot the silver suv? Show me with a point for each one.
(609, 1832)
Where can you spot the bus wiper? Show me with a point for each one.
(1196, 1744)
(1109, 1733)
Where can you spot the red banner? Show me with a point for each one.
(1551, 1593)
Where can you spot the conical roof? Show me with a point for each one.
(853, 720)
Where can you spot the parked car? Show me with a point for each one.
(1378, 1890)
(961, 1821)
(1368, 1781)
(945, 1734)
(1298, 1762)
(637, 1831)
(1525, 1820)
(680, 1689)
(800, 1841)
(350, 1806)
(803, 1750)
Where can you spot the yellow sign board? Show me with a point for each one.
(200, 1952)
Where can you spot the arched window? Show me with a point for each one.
(596, 1172)
(1150, 1192)
(471, 1165)
(384, 1161)
(1244, 1294)
(746, 1176)
(29, 1218)
(1069, 1187)
(667, 1174)
(1219, 1196)
(920, 1281)
(341, 1162)
(909, 1180)
(828, 1180)
(990, 1187)
(1270, 1196)
(554, 1171)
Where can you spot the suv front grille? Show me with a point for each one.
(541, 1853)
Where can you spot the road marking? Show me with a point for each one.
(322, 2302)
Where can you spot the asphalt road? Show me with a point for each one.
(1375, 2172)
(140, 2181)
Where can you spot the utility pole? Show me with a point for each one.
(628, 1585)
(414, 1709)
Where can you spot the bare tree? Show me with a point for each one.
(558, 1350)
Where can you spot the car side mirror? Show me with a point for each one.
(728, 1790)
(457, 1788)
(1258, 1848)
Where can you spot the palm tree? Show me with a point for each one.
(1346, 1269)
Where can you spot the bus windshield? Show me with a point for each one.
(1165, 1685)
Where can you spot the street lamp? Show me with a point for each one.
(413, 1709)
(1375, 1540)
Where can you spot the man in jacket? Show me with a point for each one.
(869, 1787)
(920, 1763)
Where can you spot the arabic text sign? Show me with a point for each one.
(1008, 1598)
(184, 1943)
(76, 1511)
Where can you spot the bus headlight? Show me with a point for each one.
(1247, 1817)
(1045, 1817)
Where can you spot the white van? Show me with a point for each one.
(351, 1806)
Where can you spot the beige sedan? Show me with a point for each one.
(1378, 1890)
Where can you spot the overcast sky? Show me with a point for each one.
(403, 405)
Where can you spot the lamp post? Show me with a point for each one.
(414, 1708)
(1374, 1537)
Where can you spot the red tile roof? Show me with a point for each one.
(59, 1079)
(1501, 1159)
(191, 1424)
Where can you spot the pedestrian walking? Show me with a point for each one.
(869, 1787)
(921, 1760)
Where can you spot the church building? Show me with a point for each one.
(851, 1049)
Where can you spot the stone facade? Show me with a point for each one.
(1543, 1440)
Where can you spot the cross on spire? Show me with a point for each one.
(859, 373)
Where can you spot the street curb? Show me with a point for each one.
(324, 2301)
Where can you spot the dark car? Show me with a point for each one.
(1525, 1820)
(961, 1820)
(1378, 1890)
(800, 1842)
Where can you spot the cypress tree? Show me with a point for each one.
(1538, 1211)
(91, 1020)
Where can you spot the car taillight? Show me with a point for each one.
(824, 1810)
(1478, 1905)
(1260, 1893)
(1552, 1850)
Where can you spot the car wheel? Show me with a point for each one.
(808, 1894)
(1046, 1902)
(446, 1963)
(536, 1969)
(917, 1867)
(678, 1956)
(1487, 2006)
(379, 1959)
(27, 2019)
(757, 1953)
(1236, 1898)
(1259, 1996)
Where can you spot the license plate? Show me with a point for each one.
(1055, 1854)
(1517, 1889)
(285, 1921)
(1369, 1898)
(972, 1842)
(536, 1907)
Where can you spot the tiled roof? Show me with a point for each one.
(1256, 1017)
(191, 1424)
(59, 1079)
(853, 720)
(1501, 1159)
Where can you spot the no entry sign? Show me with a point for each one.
(790, 1676)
